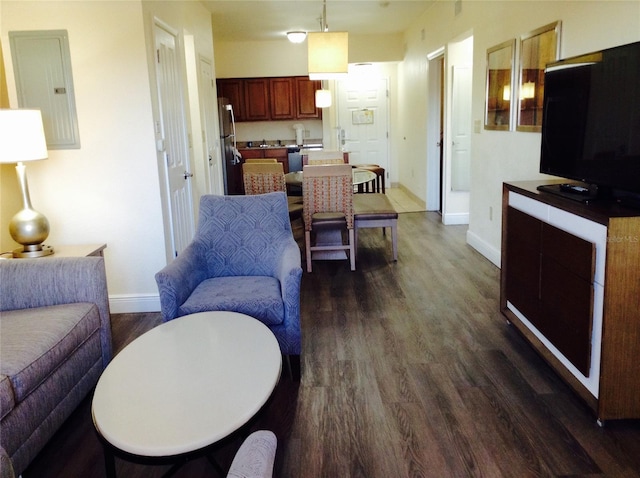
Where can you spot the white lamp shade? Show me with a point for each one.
(323, 98)
(21, 136)
(328, 54)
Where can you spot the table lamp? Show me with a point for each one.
(22, 139)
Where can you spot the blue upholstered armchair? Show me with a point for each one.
(243, 258)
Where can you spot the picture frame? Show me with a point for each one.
(499, 93)
(537, 48)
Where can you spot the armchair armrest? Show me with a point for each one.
(29, 283)
(288, 262)
(177, 280)
(290, 274)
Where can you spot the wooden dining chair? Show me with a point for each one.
(262, 178)
(327, 192)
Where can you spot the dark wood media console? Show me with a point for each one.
(570, 283)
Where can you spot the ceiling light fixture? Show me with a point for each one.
(296, 36)
(328, 52)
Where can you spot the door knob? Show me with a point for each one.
(187, 175)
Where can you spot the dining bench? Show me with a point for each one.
(375, 210)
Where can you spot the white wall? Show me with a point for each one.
(108, 190)
(497, 156)
(283, 58)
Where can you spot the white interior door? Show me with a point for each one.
(209, 109)
(171, 139)
(461, 129)
(363, 121)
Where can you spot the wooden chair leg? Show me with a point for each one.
(307, 247)
(355, 238)
(394, 239)
(352, 249)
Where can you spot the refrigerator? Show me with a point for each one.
(231, 163)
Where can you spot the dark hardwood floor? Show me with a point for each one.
(409, 370)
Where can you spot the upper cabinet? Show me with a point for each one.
(306, 92)
(256, 99)
(282, 98)
(271, 99)
(232, 90)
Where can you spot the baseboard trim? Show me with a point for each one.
(484, 248)
(455, 219)
(412, 196)
(126, 304)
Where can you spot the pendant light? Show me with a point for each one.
(328, 52)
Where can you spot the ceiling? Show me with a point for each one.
(263, 20)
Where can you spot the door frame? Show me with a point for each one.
(455, 204)
(435, 130)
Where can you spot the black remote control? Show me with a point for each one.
(574, 188)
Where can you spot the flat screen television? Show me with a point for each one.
(591, 121)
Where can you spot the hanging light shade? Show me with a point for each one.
(297, 36)
(528, 90)
(328, 55)
(323, 98)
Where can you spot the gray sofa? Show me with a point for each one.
(55, 340)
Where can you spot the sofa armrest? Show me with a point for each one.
(29, 283)
(177, 280)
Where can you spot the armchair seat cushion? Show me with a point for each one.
(32, 348)
(256, 296)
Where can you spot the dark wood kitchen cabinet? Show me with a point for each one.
(282, 98)
(271, 99)
(306, 96)
(256, 99)
(233, 90)
(570, 284)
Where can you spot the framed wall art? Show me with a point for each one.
(537, 48)
(498, 101)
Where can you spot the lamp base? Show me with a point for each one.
(33, 251)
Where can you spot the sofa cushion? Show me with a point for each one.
(32, 347)
(256, 296)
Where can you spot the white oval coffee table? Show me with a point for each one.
(186, 385)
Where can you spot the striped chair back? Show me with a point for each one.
(323, 157)
(262, 178)
(327, 189)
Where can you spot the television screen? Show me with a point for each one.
(591, 122)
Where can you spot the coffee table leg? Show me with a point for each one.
(216, 465)
(109, 462)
